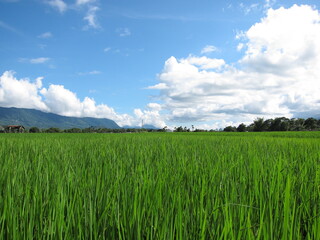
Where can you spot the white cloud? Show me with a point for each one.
(89, 6)
(24, 93)
(204, 62)
(269, 3)
(159, 86)
(240, 46)
(45, 35)
(83, 2)
(64, 102)
(107, 49)
(285, 40)
(91, 17)
(20, 93)
(209, 49)
(123, 32)
(60, 5)
(39, 60)
(94, 72)
(151, 117)
(154, 106)
(277, 76)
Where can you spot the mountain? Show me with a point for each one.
(35, 118)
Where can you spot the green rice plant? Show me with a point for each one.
(160, 186)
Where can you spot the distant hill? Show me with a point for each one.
(35, 118)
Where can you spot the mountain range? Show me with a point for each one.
(35, 118)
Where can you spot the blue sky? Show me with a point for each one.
(203, 63)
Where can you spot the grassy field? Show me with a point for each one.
(160, 186)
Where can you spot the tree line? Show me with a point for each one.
(91, 130)
(261, 125)
(277, 124)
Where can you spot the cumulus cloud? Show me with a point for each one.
(60, 5)
(278, 74)
(20, 93)
(284, 40)
(204, 62)
(24, 93)
(154, 106)
(151, 117)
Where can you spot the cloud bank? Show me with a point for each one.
(24, 93)
(278, 75)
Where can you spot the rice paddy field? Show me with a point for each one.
(160, 186)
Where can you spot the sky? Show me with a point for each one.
(204, 63)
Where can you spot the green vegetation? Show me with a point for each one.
(277, 124)
(160, 186)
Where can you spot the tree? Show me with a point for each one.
(296, 124)
(164, 129)
(310, 124)
(230, 129)
(259, 125)
(279, 124)
(181, 129)
(53, 130)
(241, 128)
(34, 130)
(178, 129)
(73, 130)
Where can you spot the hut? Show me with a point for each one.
(14, 129)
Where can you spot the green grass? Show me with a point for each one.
(160, 186)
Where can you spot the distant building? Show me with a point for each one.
(14, 129)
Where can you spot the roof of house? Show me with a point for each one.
(15, 126)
